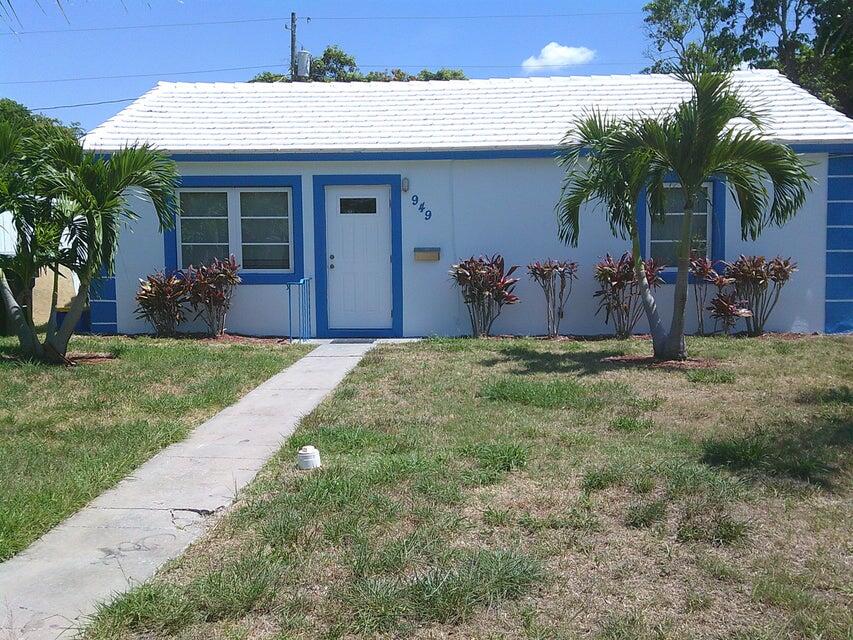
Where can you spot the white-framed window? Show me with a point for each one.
(253, 223)
(664, 237)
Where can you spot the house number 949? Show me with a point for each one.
(422, 207)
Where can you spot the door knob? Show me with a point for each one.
(332, 266)
(332, 257)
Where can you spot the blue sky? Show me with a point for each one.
(604, 37)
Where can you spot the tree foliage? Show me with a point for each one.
(336, 65)
(693, 143)
(68, 206)
(810, 41)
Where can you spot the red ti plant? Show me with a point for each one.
(486, 287)
(619, 290)
(704, 275)
(210, 289)
(555, 277)
(759, 283)
(728, 309)
(160, 300)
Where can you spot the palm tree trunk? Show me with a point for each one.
(54, 300)
(649, 305)
(57, 347)
(675, 347)
(27, 339)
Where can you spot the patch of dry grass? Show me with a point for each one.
(69, 433)
(531, 489)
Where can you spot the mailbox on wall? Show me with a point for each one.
(427, 254)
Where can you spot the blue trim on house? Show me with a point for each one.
(438, 154)
(103, 311)
(320, 183)
(839, 238)
(356, 156)
(103, 288)
(104, 328)
(839, 263)
(718, 224)
(839, 316)
(841, 165)
(839, 213)
(839, 287)
(170, 237)
(170, 247)
(839, 245)
(840, 188)
(642, 220)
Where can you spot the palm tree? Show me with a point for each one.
(82, 200)
(714, 133)
(597, 169)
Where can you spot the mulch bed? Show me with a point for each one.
(228, 338)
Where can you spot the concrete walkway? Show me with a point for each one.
(122, 537)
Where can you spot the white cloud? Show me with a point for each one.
(557, 56)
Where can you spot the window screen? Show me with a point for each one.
(265, 229)
(665, 236)
(358, 205)
(204, 226)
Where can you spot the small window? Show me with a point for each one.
(664, 237)
(358, 205)
(204, 226)
(265, 229)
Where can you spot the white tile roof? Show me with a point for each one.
(504, 113)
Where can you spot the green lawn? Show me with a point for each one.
(532, 489)
(69, 433)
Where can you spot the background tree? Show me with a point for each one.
(694, 33)
(336, 65)
(810, 41)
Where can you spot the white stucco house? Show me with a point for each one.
(372, 190)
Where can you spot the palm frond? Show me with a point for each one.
(601, 168)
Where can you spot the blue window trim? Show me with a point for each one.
(718, 224)
(170, 236)
(320, 183)
(473, 154)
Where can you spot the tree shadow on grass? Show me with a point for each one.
(817, 452)
(531, 361)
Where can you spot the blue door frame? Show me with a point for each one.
(320, 183)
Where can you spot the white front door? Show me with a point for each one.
(358, 257)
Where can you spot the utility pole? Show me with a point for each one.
(293, 46)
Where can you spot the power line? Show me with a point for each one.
(143, 75)
(84, 104)
(169, 25)
(279, 64)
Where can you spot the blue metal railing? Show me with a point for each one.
(303, 293)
